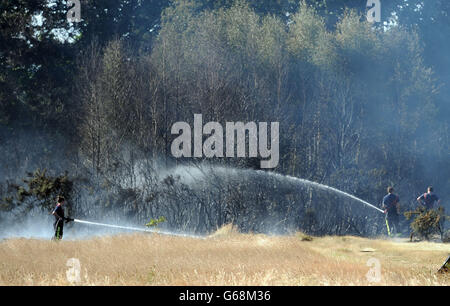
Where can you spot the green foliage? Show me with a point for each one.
(156, 222)
(305, 32)
(427, 221)
(40, 190)
(34, 65)
(304, 237)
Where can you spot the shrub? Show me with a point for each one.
(155, 222)
(427, 221)
(39, 191)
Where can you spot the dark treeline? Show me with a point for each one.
(361, 106)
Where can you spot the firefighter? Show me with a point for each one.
(58, 212)
(429, 198)
(390, 206)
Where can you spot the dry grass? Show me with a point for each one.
(226, 258)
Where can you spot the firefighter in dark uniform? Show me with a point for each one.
(58, 212)
(390, 206)
(429, 198)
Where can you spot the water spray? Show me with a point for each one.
(137, 229)
(325, 187)
(278, 176)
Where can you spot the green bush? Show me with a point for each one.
(39, 190)
(155, 222)
(427, 221)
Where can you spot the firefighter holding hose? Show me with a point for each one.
(58, 212)
(390, 206)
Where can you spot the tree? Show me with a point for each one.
(40, 192)
(35, 66)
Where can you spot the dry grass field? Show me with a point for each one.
(225, 258)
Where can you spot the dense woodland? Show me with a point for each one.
(361, 106)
